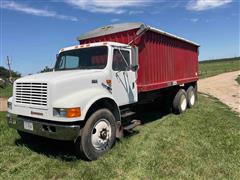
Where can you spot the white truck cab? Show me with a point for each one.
(86, 78)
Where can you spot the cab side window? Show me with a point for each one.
(119, 64)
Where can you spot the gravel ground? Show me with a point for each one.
(224, 87)
(3, 104)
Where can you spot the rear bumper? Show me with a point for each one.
(45, 129)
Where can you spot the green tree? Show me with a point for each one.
(46, 69)
(4, 73)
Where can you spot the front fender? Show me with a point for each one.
(83, 99)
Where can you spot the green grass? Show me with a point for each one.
(215, 67)
(201, 143)
(6, 92)
(238, 79)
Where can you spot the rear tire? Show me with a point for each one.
(98, 135)
(180, 102)
(191, 97)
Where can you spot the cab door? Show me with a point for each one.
(124, 87)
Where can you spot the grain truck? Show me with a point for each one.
(97, 83)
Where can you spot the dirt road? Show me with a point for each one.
(3, 104)
(224, 87)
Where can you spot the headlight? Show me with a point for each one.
(9, 104)
(67, 112)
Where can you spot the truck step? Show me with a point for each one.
(134, 123)
(127, 114)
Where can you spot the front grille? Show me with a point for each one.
(31, 93)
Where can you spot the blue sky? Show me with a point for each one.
(33, 31)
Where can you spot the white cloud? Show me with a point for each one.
(209, 20)
(107, 6)
(194, 19)
(11, 5)
(201, 5)
(115, 20)
(135, 12)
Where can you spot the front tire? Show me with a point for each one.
(98, 135)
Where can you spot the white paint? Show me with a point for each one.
(123, 90)
(192, 98)
(101, 134)
(184, 104)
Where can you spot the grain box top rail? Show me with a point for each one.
(115, 28)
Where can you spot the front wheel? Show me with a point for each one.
(98, 135)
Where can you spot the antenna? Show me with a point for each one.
(9, 70)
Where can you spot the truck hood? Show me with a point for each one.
(57, 75)
(61, 84)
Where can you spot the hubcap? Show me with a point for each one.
(101, 134)
(192, 98)
(183, 103)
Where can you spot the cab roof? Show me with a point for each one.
(94, 45)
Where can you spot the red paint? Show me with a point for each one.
(162, 59)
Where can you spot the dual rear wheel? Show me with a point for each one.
(184, 99)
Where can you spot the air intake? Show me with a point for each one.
(31, 93)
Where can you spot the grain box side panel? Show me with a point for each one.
(167, 61)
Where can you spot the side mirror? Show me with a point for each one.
(134, 68)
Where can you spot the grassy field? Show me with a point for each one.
(215, 67)
(201, 143)
(6, 92)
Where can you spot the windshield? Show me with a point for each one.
(86, 58)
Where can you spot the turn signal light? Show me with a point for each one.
(73, 112)
(109, 81)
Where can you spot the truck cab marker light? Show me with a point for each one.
(109, 82)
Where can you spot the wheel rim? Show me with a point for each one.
(183, 103)
(192, 98)
(101, 134)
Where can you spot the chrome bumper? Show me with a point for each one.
(44, 129)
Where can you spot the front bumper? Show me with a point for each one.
(45, 129)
